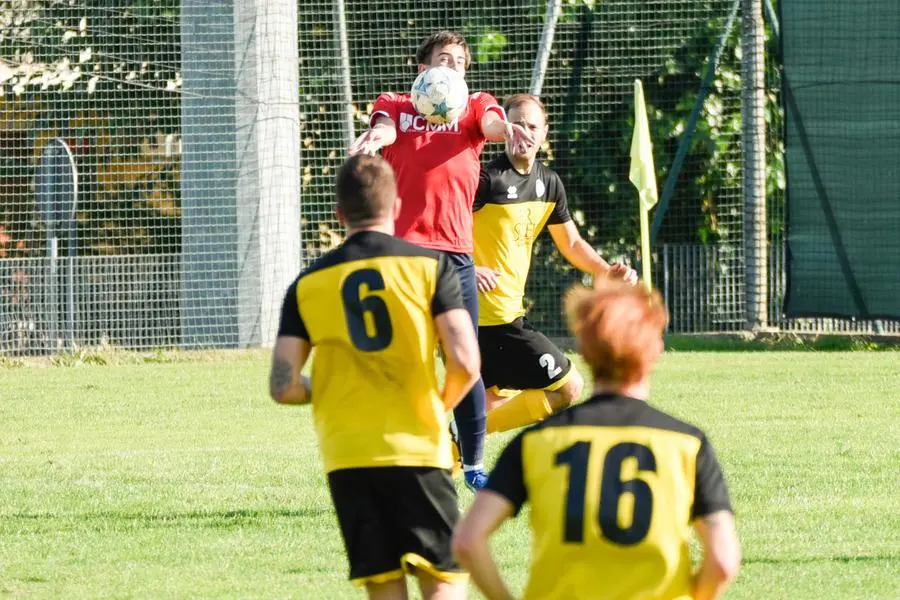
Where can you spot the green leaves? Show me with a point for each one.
(490, 46)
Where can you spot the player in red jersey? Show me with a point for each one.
(437, 168)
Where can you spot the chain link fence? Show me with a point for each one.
(598, 50)
(108, 78)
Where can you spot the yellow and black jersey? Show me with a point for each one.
(367, 308)
(511, 209)
(614, 485)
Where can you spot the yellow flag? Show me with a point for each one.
(642, 173)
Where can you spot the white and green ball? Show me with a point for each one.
(440, 94)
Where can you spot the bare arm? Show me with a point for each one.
(582, 256)
(496, 129)
(462, 359)
(382, 132)
(286, 384)
(576, 250)
(721, 555)
(470, 543)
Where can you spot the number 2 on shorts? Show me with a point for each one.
(548, 362)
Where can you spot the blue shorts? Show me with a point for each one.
(465, 268)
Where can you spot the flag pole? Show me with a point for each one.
(645, 247)
(643, 175)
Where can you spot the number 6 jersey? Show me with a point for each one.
(368, 310)
(614, 485)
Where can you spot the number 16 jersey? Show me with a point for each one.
(614, 485)
(367, 308)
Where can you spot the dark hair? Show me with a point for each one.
(517, 100)
(366, 189)
(439, 39)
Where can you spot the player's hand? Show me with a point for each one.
(623, 272)
(486, 279)
(369, 142)
(519, 138)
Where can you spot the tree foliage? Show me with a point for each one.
(105, 77)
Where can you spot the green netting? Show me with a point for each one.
(841, 82)
(599, 49)
(118, 80)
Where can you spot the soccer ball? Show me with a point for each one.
(440, 94)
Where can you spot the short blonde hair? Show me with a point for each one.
(517, 100)
(618, 327)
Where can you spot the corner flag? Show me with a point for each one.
(642, 174)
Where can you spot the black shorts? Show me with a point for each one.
(518, 357)
(393, 518)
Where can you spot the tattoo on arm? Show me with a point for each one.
(281, 376)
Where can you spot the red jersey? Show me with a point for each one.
(437, 169)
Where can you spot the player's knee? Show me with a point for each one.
(576, 386)
(435, 589)
(568, 394)
(387, 590)
(492, 399)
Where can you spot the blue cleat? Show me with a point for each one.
(476, 479)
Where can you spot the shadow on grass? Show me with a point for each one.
(818, 559)
(309, 569)
(104, 521)
(739, 342)
(700, 342)
(781, 342)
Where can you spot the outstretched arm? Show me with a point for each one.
(383, 132)
(576, 250)
(496, 128)
(582, 255)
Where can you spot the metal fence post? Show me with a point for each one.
(753, 136)
(554, 8)
(340, 34)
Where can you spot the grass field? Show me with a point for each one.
(181, 479)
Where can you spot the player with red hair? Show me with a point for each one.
(615, 485)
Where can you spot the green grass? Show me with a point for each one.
(180, 478)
